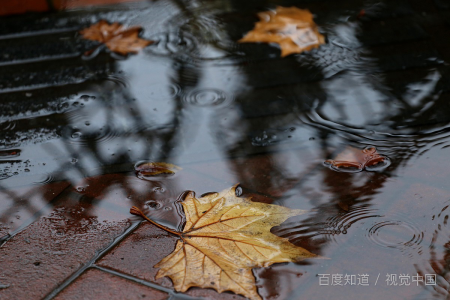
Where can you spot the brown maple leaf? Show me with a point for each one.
(290, 27)
(224, 238)
(356, 159)
(116, 37)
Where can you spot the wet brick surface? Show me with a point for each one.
(95, 284)
(38, 259)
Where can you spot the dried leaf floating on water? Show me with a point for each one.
(290, 27)
(155, 168)
(116, 37)
(354, 159)
(224, 238)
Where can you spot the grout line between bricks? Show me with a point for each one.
(39, 59)
(37, 33)
(172, 293)
(89, 264)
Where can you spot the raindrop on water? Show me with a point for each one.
(238, 191)
(206, 97)
(76, 135)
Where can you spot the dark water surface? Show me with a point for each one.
(227, 113)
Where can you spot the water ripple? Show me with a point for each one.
(396, 232)
(331, 227)
(206, 97)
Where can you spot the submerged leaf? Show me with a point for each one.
(116, 37)
(290, 27)
(224, 238)
(155, 168)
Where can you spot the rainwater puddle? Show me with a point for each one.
(356, 132)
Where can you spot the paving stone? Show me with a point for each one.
(48, 47)
(38, 259)
(95, 284)
(54, 73)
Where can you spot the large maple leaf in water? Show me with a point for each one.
(290, 27)
(116, 37)
(224, 238)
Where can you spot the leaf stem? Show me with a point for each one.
(136, 211)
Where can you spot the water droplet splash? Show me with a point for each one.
(206, 97)
(398, 232)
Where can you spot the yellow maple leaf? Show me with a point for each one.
(116, 37)
(224, 238)
(290, 27)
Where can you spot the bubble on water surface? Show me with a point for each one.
(158, 189)
(271, 136)
(153, 204)
(88, 135)
(264, 139)
(76, 135)
(80, 189)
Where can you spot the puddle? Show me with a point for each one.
(356, 132)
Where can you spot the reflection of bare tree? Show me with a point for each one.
(287, 104)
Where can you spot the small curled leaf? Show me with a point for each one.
(156, 168)
(290, 27)
(116, 37)
(356, 160)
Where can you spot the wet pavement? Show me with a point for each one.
(73, 127)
